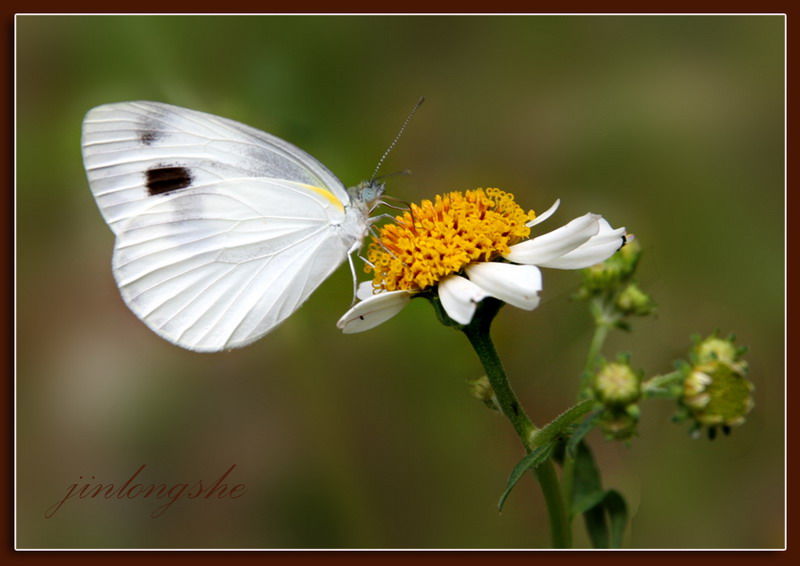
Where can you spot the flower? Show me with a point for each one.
(467, 246)
(717, 393)
(716, 390)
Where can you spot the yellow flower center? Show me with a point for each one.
(436, 239)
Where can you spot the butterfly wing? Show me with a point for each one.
(220, 266)
(135, 151)
(222, 230)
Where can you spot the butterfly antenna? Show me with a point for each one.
(397, 137)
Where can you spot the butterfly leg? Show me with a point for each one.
(356, 248)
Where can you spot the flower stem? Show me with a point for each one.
(506, 399)
(663, 386)
(560, 531)
(603, 323)
(478, 334)
(599, 337)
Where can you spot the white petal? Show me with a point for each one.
(373, 311)
(517, 285)
(556, 243)
(599, 248)
(365, 290)
(460, 297)
(544, 215)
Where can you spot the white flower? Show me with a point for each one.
(580, 243)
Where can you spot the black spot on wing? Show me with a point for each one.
(151, 128)
(149, 137)
(161, 180)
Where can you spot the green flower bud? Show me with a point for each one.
(632, 300)
(715, 348)
(481, 389)
(609, 274)
(620, 424)
(628, 256)
(616, 385)
(716, 393)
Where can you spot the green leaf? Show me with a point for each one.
(606, 521)
(529, 462)
(582, 430)
(588, 494)
(558, 426)
(617, 510)
(596, 526)
(605, 513)
(586, 487)
(588, 502)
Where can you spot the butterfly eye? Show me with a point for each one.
(369, 191)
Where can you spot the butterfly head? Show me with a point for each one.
(367, 193)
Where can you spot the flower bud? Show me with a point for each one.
(620, 425)
(609, 274)
(481, 389)
(715, 348)
(632, 300)
(617, 387)
(616, 384)
(717, 393)
(714, 391)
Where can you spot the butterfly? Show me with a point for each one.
(222, 230)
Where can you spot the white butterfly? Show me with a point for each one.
(222, 231)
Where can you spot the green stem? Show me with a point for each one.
(604, 321)
(567, 479)
(560, 531)
(599, 337)
(478, 334)
(506, 399)
(663, 386)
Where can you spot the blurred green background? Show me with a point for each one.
(671, 126)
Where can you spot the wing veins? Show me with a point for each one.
(215, 260)
(281, 297)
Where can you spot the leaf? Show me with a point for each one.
(617, 510)
(596, 526)
(588, 502)
(558, 426)
(529, 462)
(605, 513)
(582, 430)
(587, 490)
(606, 521)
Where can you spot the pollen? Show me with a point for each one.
(438, 238)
